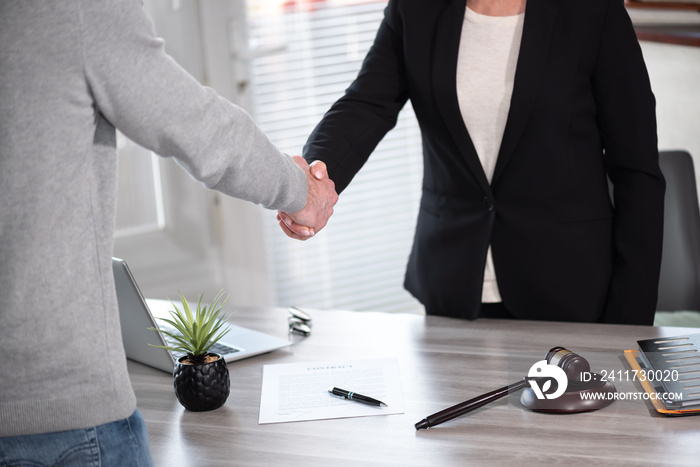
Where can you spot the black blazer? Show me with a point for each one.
(581, 109)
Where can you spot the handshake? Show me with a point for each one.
(320, 199)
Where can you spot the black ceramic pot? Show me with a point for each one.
(202, 387)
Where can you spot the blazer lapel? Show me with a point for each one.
(447, 33)
(537, 33)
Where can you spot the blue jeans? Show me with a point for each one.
(120, 443)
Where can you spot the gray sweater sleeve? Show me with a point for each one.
(144, 93)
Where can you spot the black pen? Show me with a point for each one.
(353, 396)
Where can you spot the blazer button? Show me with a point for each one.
(488, 203)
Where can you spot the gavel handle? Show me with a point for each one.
(467, 406)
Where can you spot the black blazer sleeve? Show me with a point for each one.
(626, 117)
(358, 121)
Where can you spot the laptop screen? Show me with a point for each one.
(136, 315)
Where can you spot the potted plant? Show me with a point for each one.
(200, 377)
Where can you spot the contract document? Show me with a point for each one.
(299, 391)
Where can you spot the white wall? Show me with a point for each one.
(674, 71)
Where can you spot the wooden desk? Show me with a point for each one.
(442, 361)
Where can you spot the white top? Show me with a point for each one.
(488, 54)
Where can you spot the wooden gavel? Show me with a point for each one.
(573, 365)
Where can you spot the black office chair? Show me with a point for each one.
(679, 285)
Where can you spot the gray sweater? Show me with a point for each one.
(70, 72)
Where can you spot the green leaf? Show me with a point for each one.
(197, 331)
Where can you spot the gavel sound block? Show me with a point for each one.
(584, 392)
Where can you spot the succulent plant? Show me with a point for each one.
(195, 331)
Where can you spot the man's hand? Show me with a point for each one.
(320, 199)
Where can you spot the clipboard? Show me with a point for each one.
(669, 365)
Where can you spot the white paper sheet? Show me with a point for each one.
(299, 391)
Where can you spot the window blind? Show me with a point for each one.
(357, 262)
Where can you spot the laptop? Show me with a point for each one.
(137, 315)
